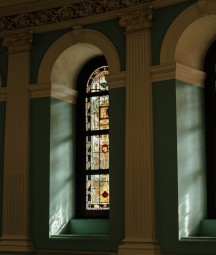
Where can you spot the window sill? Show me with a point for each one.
(85, 229)
(207, 232)
(79, 237)
(198, 239)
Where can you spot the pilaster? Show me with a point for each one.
(15, 232)
(139, 178)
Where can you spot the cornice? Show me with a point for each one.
(40, 16)
(63, 13)
(179, 72)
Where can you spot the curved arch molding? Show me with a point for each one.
(185, 44)
(63, 60)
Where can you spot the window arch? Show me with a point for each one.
(210, 125)
(93, 140)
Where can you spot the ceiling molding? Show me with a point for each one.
(179, 72)
(41, 16)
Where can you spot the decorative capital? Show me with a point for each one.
(18, 43)
(135, 21)
(203, 5)
(77, 33)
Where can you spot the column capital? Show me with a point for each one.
(138, 20)
(203, 6)
(18, 43)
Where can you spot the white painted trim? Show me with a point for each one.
(78, 36)
(38, 90)
(179, 72)
(189, 36)
(163, 72)
(190, 75)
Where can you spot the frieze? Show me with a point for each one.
(65, 13)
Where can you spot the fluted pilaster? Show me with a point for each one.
(15, 232)
(139, 179)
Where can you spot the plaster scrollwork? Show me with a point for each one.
(64, 13)
(18, 43)
(203, 6)
(135, 21)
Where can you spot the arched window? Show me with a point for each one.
(210, 125)
(93, 141)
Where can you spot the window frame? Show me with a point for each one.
(81, 132)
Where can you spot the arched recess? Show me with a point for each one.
(189, 37)
(184, 49)
(79, 45)
(59, 69)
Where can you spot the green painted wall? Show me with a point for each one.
(165, 163)
(2, 137)
(191, 158)
(179, 161)
(62, 164)
(116, 34)
(39, 169)
(162, 19)
(44, 169)
(41, 43)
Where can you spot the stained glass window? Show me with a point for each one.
(92, 141)
(97, 140)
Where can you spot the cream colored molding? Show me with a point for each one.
(3, 93)
(64, 93)
(116, 80)
(18, 43)
(190, 75)
(163, 72)
(12, 7)
(55, 14)
(135, 21)
(179, 72)
(189, 36)
(57, 91)
(90, 41)
(203, 5)
(38, 90)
